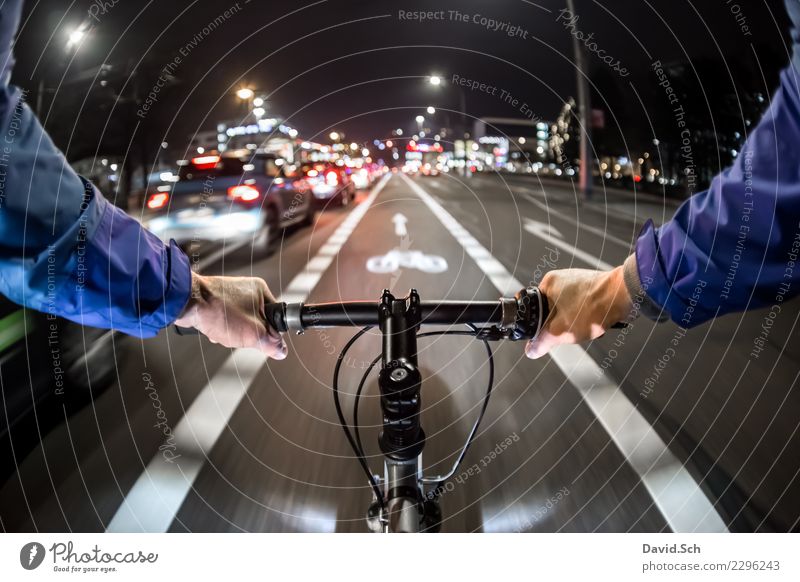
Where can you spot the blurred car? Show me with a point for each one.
(49, 368)
(366, 175)
(235, 195)
(429, 169)
(330, 184)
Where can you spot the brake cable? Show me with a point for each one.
(356, 443)
(343, 422)
(439, 480)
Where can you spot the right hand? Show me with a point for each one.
(230, 311)
(583, 305)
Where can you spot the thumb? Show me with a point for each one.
(541, 345)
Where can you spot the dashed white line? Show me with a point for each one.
(155, 498)
(679, 498)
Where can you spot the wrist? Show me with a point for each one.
(198, 298)
(615, 296)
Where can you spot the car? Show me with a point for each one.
(238, 195)
(330, 183)
(363, 177)
(49, 367)
(429, 169)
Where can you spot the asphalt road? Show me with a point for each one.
(281, 463)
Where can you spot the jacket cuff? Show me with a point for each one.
(642, 303)
(180, 283)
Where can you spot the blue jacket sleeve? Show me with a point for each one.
(735, 246)
(65, 249)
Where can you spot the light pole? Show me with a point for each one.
(582, 79)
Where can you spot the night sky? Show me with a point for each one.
(356, 66)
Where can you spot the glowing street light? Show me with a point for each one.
(435, 80)
(258, 102)
(398, 131)
(431, 110)
(420, 119)
(245, 93)
(75, 37)
(334, 136)
(259, 112)
(354, 146)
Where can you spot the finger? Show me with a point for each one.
(546, 341)
(273, 346)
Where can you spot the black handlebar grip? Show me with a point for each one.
(186, 330)
(275, 314)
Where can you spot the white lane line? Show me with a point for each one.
(593, 229)
(679, 498)
(224, 250)
(155, 498)
(549, 234)
(300, 287)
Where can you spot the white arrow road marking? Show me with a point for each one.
(549, 234)
(153, 502)
(673, 490)
(400, 224)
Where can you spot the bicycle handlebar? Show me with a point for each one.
(517, 318)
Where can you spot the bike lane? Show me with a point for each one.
(283, 462)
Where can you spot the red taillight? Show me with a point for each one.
(332, 178)
(243, 192)
(205, 162)
(158, 200)
(637, 178)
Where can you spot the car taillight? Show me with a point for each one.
(158, 200)
(205, 162)
(332, 178)
(243, 192)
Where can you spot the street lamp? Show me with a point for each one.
(78, 34)
(75, 37)
(334, 136)
(420, 119)
(245, 93)
(435, 80)
(431, 110)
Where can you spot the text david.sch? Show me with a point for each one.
(671, 549)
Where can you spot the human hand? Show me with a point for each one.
(583, 305)
(230, 311)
